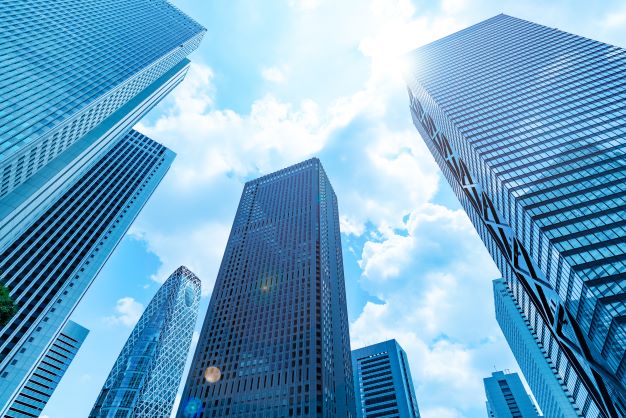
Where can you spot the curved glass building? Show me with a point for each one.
(147, 373)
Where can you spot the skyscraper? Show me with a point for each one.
(382, 382)
(48, 372)
(147, 373)
(507, 398)
(275, 340)
(75, 77)
(49, 266)
(525, 122)
(552, 394)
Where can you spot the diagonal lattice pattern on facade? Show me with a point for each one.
(526, 123)
(146, 375)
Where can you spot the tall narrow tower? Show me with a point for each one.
(527, 125)
(75, 77)
(382, 382)
(48, 372)
(275, 340)
(146, 375)
(552, 394)
(507, 398)
(51, 264)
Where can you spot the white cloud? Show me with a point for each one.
(211, 142)
(422, 260)
(440, 412)
(304, 5)
(385, 259)
(274, 74)
(434, 280)
(127, 312)
(349, 227)
(198, 248)
(454, 6)
(615, 19)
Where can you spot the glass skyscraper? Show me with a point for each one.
(507, 398)
(69, 65)
(382, 382)
(75, 77)
(526, 123)
(275, 341)
(146, 375)
(50, 265)
(48, 372)
(552, 394)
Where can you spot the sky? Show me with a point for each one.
(274, 83)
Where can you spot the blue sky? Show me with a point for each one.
(276, 82)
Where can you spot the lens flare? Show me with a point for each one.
(193, 408)
(212, 374)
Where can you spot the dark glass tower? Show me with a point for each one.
(528, 126)
(275, 340)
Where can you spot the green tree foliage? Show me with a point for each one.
(7, 306)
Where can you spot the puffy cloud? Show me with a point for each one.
(433, 277)
(614, 19)
(212, 142)
(198, 247)
(274, 74)
(384, 259)
(423, 261)
(127, 312)
(454, 6)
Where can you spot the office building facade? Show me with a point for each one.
(70, 67)
(275, 341)
(75, 77)
(46, 376)
(539, 367)
(383, 385)
(50, 265)
(147, 373)
(507, 398)
(525, 124)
